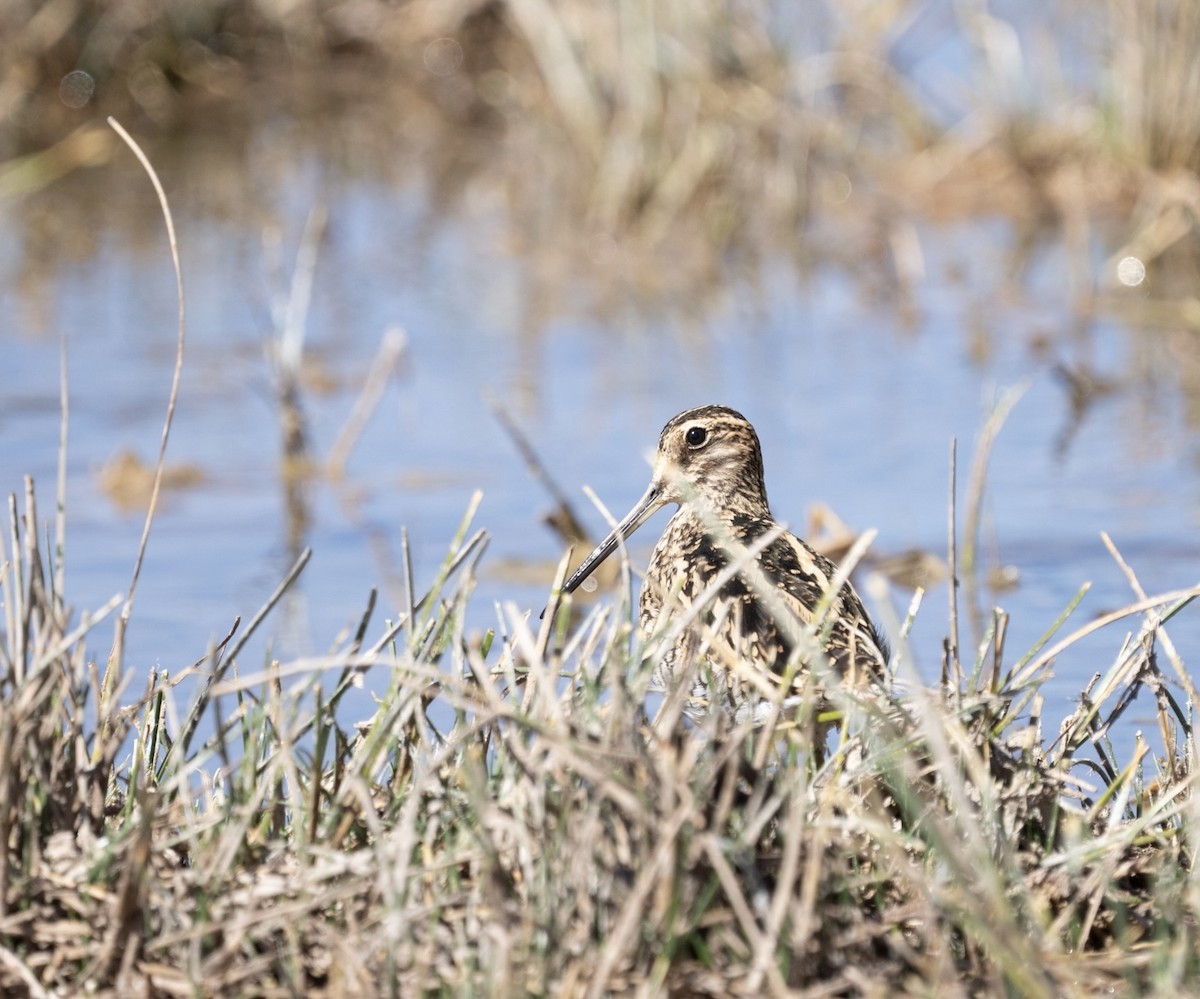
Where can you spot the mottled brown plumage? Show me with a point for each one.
(763, 594)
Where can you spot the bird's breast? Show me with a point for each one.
(685, 562)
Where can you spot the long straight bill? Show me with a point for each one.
(641, 512)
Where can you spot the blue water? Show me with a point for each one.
(855, 400)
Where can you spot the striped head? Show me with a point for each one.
(713, 453)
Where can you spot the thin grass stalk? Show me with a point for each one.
(59, 573)
(1181, 672)
(951, 667)
(116, 658)
(14, 596)
(1034, 666)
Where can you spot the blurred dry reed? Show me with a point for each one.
(711, 119)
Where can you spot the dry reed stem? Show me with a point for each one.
(116, 660)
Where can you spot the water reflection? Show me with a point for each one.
(858, 348)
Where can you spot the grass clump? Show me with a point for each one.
(509, 821)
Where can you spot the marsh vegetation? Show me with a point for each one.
(507, 817)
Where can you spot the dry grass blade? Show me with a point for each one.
(383, 368)
(1031, 669)
(116, 660)
(970, 557)
(950, 660)
(1181, 673)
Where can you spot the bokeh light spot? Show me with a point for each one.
(1131, 272)
(443, 56)
(76, 88)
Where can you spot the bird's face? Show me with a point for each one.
(711, 454)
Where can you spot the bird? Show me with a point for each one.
(732, 598)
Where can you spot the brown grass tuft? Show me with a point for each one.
(509, 821)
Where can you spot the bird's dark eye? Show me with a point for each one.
(696, 436)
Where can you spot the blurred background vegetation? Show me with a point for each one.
(702, 133)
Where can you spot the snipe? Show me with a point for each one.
(736, 596)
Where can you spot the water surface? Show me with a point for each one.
(856, 387)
